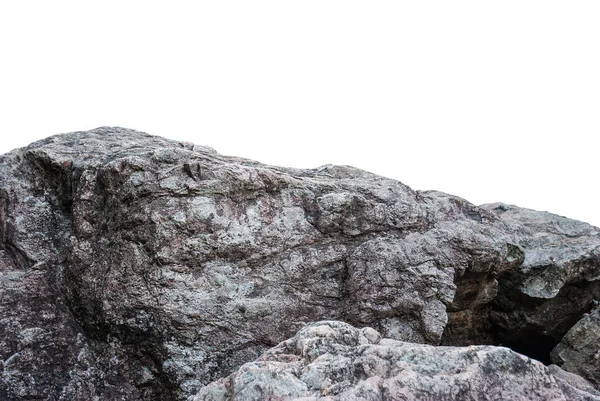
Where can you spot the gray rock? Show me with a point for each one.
(135, 267)
(335, 361)
(556, 284)
(579, 350)
(573, 385)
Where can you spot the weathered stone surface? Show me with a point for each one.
(573, 385)
(579, 350)
(557, 283)
(335, 361)
(134, 267)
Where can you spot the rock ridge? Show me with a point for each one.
(136, 267)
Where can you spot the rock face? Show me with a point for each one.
(134, 267)
(579, 350)
(555, 285)
(335, 361)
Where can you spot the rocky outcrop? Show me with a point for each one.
(335, 361)
(134, 267)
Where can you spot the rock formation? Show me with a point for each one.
(139, 268)
(335, 361)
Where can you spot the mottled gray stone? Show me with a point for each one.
(335, 361)
(135, 267)
(579, 350)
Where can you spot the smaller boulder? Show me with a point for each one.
(332, 361)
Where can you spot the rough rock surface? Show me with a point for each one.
(134, 267)
(335, 361)
(557, 283)
(579, 350)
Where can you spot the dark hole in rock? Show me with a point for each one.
(473, 327)
(533, 327)
(484, 314)
(537, 347)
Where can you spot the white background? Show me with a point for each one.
(488, 100)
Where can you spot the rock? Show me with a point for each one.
(579, 350)
(135, 267)
(556, 284)
(335, 361)
(574, 386)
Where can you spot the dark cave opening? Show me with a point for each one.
(474, 327)
(537, 347)
(515, 328)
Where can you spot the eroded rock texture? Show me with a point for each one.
(335, 361)
(556, 284)
(579, 350)
(134, 267)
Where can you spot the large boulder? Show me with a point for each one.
(135, 267)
